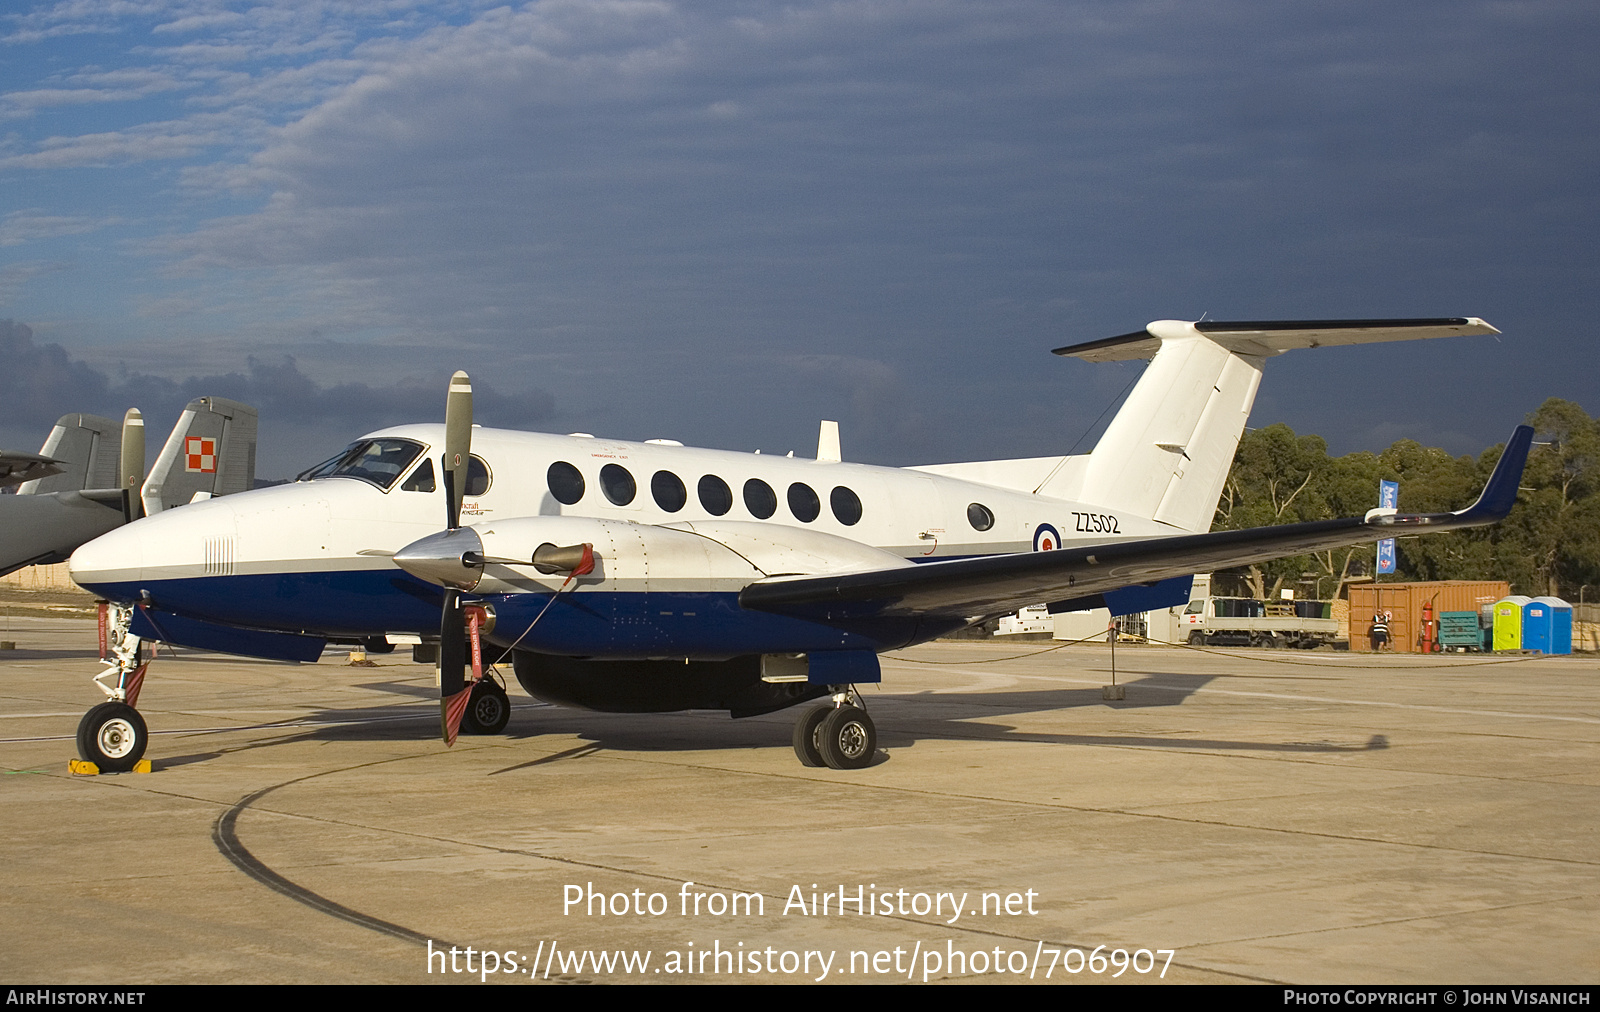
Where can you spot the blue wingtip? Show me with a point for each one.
(1500, 494)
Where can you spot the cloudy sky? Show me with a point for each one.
(720, 222)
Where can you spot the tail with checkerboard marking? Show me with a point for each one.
(211, 452)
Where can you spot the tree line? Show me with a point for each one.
(1550, 543)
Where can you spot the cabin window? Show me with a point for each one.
(846, 506)
(759, 499)
(979, 517)
(565, 482)
(421, 479)
(803, 502)
(618, 484)
(715, 495)
(668, 491)
(477, 476)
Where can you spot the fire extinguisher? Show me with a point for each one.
(1430, 643)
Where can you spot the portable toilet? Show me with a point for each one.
(1560, 624)
(1536, 626)
(1508, 622)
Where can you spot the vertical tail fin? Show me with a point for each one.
(211, 452)
(85, 447)
(1167, 453)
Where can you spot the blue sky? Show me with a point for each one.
(721, 222)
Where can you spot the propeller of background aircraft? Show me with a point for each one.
(131, 464)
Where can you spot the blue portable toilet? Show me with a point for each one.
(1560, 624)
(1536, 625)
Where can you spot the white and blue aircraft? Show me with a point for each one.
(651, 576)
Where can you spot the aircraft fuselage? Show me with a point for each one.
(314, 556)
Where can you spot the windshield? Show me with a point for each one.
(379, 461)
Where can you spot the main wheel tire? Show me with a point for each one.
(847, 739)
(378, 645)
(806, 747)
(488, 710)
(113, 737)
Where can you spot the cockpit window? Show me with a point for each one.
(421, 479)
(379, 461)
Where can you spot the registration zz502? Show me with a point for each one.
(1096, 523)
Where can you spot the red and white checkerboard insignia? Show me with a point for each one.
(202, 454)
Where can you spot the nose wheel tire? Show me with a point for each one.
(113, 737)
(806, 747)
(847, 738)
(488, 710)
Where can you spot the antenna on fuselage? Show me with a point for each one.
(828, 444)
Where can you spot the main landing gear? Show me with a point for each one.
(113, 735)
(838, 734)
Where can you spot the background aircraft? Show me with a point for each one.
(651, 576)
(87, 480)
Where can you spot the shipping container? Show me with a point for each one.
(1404, 603)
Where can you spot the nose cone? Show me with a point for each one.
(109, 562)
(440, 558)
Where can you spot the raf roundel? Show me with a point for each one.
(1046, 538)
(202, 454)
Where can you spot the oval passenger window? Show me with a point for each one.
(759, 499)
(803, 502)
(846, 506)
(715, 495)
(668, 491)
(565, 482)
(979, 517)
(618, 484)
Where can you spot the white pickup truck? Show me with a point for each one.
(1243, 621)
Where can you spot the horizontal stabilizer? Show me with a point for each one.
(995, 585)
(1265, 338)
(16, 468)
(85, 447)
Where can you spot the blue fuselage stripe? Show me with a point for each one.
(357, 604)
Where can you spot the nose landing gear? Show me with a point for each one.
(112, 735)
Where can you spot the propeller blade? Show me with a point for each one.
(453, 688)
(131, 468)
(457, 445)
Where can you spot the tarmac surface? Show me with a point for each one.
(1268, 816)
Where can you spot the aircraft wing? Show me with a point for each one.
(16, 468)
(995, 585)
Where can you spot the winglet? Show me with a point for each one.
(1496, 500)
(1500, 494)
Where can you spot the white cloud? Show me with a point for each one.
(638, 193)
(19, 227)
(148, 142)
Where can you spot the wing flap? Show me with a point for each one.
(994, 585)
